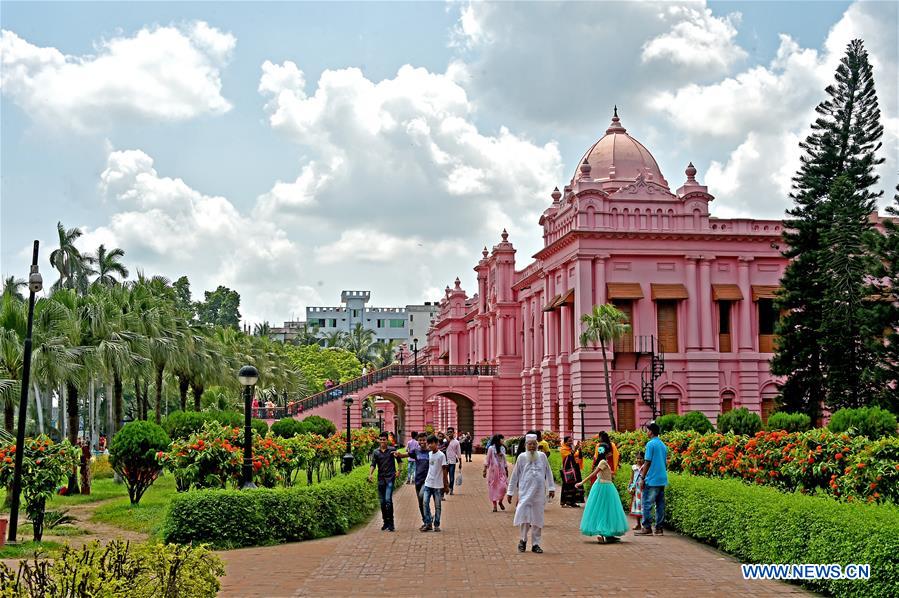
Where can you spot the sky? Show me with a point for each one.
(294, 150)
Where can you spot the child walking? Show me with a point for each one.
(636, 490)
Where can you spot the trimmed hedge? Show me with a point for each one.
(761, 525)
(739, 421)
(237, 518)
(789, 422)
(872, 422)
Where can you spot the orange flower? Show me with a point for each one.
(861, 465)
(838, 456)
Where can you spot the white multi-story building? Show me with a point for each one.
(400, 324)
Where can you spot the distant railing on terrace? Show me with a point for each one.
(337, 392)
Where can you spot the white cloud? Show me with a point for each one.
(763, 112)
(373, 246)
(160, 74)
(401, 160)
(697, 39)
(166, 226)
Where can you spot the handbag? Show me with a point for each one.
(459, 479)
(568, 474)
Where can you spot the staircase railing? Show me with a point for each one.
(350, 386)
(647, 345)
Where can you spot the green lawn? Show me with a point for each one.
(101, 489)
(28, 550)
(146, 517)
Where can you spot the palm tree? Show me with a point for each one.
(67, 260)
(603, 326)
(361, 342)
(75, 331)
(308, 335)
(385, 353)
(13, 319)
(336, 339)
(11, 286)
(263, 329)
(108, 265)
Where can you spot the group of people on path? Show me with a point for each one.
(433, 461)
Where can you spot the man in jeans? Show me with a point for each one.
(421, 455)
(410, 450)
(453, 456)
(655, 476)
(435, 486)
(384, 459)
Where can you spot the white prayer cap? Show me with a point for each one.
(530, 437)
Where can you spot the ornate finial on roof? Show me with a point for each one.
(556, 195)
(616, 126)
(458, 284)
(691, 174)
(505, 236)
(485, 252)
(585, 167)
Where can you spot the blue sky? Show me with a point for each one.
(332, 168)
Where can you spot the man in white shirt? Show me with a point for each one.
(530, 480)
(453, 457)
(436, 484)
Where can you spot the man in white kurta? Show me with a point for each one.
(530, 480)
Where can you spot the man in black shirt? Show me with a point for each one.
(384, 459)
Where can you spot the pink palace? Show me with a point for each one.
(698, 291)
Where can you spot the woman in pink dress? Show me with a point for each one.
(496, 470)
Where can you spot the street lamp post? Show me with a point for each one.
(35, 284)
(415, 355)
(247, 376)
(583, 407)
(380, 420)
(348, 456)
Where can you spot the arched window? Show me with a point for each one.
(626, 406)
(769, 402)
(727, 401)
(669, 400)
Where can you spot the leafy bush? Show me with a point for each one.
(259, 426)
(629, 444)
(181, 424)
(101, 468)
(552, 438)
(872, 422)
(45, 465)
(668, 423)
(315, 424)
(789, 422)
(235, 518)
(739, 421)
(287, 427)
(117, 569)
(872, 474)
(695, 421)
(132, 454)
(762, 525)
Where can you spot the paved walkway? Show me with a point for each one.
(476, 556)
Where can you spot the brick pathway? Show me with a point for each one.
(476, 555)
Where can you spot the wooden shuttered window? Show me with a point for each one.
(768, 406)
(666, 317)
(626, 343)
(627, 413)
(724, 313)
(727, 401)
(767, 318)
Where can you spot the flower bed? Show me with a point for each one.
(762, 525)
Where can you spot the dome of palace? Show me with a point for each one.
(619, 157)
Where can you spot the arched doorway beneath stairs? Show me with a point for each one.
(452, 409)
(395, 417)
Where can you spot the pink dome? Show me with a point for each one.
(620, 157)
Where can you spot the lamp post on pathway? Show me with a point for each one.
(348, 456)
(35, 284)
(248, 375)
(415, 355)
(380, 420)
(583, 407)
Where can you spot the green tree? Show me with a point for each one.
(843, 142)
(68, 261)
(220, 308)
(183, 300)
(361, 342)
(603, 326)
(13, 286)
(885, 286)
(109, 265)
(384, 354)
(263, 329)
(317, 364)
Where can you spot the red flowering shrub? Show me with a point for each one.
(873, 472)
(629, 444)
(552, 438)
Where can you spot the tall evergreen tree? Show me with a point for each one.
(886, 287)
(843, 142)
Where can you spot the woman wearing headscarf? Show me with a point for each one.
(496, 470)
(572, 463)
